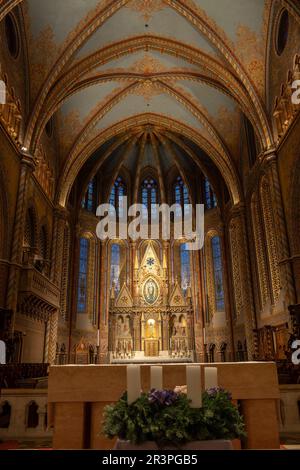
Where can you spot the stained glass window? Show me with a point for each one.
(89, 200)
(149, 196)
(82, 275)
(115, 267)
(185, 267)
(181, 194)
(218, 275)
(210, 197)
(117, 193)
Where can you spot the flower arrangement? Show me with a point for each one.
(166, 417)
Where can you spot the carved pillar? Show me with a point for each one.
(135, 288)
(143, 333)
(137, 332)
(198, 310)
(57, 268)
(132, 265)
(241, 276)
(27, 167)
(165, 332)
(295, 261)
(160, 333)
(58, 235)
(229, 338)
(263, 293)
(53, 327)
(104, 289)
(165, 271)
(46, 344)
(74, 285)
(283, 251)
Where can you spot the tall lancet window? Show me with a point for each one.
(117, 193)
(185, 267)
(115, 259)
(210, 197)
(82, 275)
(149, 196)
(181, 195)
(218, 275)
(89, 201)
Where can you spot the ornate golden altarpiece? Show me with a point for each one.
(155, 320)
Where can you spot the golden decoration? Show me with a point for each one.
(146, 7)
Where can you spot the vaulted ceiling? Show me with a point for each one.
(106, 68)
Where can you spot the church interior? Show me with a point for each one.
(164, 102)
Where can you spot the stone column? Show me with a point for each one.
(295, 260)
(27, 167)
(132, 262)
(240, 268)
(74, 286)
(165, 331)
(57, 259)
(135, 284)
(143, 333)
(229, 309)
(103, 312)
(286, 275)
(197, 303)
(137, 332)
(53, 327)
(58, 233)
(166, 271)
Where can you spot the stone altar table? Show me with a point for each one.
(77, 395)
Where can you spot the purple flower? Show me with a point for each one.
(212, 392)
(162, 397)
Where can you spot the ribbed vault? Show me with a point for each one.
(117, 65)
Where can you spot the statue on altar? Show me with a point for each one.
(150, 291)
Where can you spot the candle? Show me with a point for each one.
(194, 389)
(211, 377)
(133, 383)
(98, 338)
(156, 377)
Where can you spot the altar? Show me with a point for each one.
(78, 394)
(152, 320)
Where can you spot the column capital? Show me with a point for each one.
(269, 155)
(236, 210)
(61, 212)
(27, 159)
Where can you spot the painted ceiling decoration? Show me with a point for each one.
(117, 66)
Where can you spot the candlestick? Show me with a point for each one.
(211, 377)
(98, 337)
(133, 383)
(156, 377)
(194, 388)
